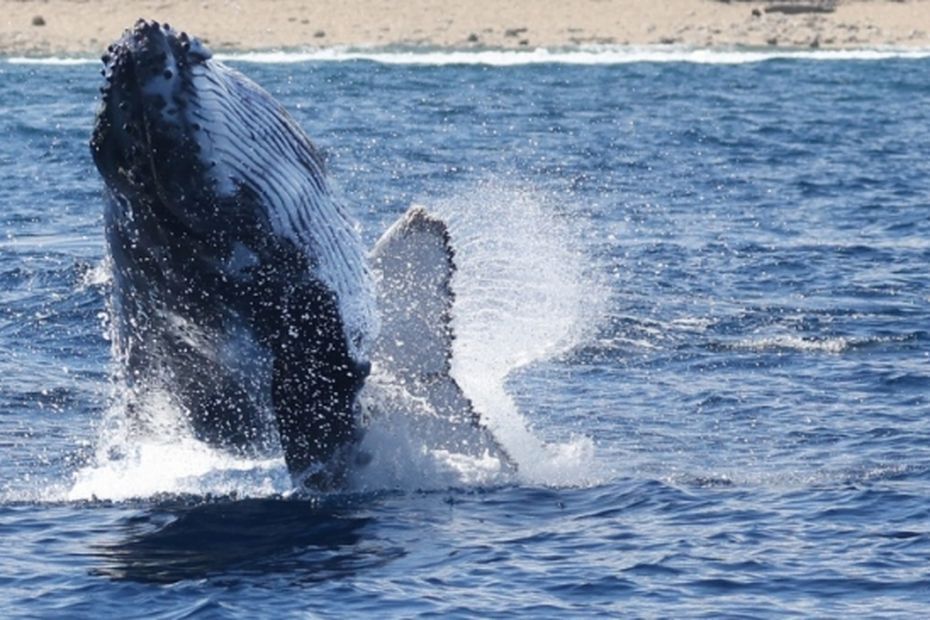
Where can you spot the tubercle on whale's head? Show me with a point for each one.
(145, 140)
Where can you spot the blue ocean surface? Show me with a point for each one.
(693, 302)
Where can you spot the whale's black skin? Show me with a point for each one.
(237, 278)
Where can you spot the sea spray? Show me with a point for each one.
(525, 291)
(165, 458)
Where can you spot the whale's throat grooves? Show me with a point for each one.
(240, 285)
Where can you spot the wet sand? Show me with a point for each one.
(83, 27)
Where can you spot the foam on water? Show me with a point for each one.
(797, 343)
(180, 466)
(166, 459)
(787, 479)
(581, 55)
(809, 344)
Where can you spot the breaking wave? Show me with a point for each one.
(581, 55)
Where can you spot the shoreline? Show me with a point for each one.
(602, 55)
(75, 28)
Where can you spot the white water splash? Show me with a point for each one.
(100, 274)
(409, 448)
(179, 466)
(167, 459)
(525, 291)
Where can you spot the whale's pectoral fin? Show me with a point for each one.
(414, 263)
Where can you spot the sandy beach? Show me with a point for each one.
(83, 27)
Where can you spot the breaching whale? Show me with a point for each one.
(241, 290)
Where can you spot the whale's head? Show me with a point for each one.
(145, 141)
(189, 140)
(201, 164)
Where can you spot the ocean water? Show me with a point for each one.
(693, 302)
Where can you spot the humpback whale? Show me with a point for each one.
(241, 290)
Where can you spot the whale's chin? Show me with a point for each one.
(145, 141)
